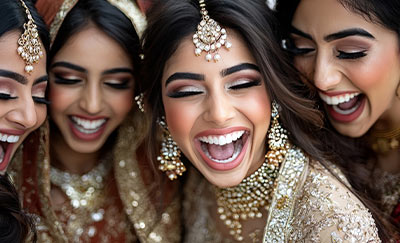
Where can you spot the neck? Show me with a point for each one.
(390, 119)
(65, 158)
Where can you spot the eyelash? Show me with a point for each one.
(123, 85)
(61, 80)
(246, 85)
(234, 87)
(6, 97)
(290, 47)
(353, 55)
(38, 100)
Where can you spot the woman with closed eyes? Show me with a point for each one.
(232, 114)
(89, 180)
(24, 43)
(349, 51)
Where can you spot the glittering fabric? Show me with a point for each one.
(131, 209)
(309, 205)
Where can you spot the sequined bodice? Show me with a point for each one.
(309, 205)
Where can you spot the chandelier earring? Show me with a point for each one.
(139, 101)
(246, 200)
(169, 159)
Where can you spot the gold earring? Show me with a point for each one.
(170, 154)
(29, 47)
(139, 101)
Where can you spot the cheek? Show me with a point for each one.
(180, 118)
(257, 107)
(61, 99)
(120, 103)
(378, 72)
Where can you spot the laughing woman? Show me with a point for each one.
(354, 64)
(89, 182)
(223, 93)
(23, 82)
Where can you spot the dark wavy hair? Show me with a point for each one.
(15, 224)
(107, 18)
(170, 21)
(352, 154)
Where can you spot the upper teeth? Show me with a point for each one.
(9, 138)
(222, 139)
(87, 124)
(335, 100)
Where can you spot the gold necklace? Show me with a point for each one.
(245, 200)
(82, 190)
(384, 141)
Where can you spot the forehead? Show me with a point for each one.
(92, 48)
(185, 60)
(326, 16)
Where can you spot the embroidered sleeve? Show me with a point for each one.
(327, 211)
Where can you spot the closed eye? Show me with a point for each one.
(243, 84)
(67, 81)
(351, 55)
(124, 84)
(185, 92)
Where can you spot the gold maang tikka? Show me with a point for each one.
(210, 36)
(29, 47)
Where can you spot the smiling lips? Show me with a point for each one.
(7, 142)
(223, 151)
(345, 106)
(87, 128)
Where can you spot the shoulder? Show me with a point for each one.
(327, 211)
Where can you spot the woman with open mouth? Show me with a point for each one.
(84, 176)
(349, 51)
(229, 104)
(24, 43)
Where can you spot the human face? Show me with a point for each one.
(91, 89)
(218, 113)
(354, 63)
(22, 97)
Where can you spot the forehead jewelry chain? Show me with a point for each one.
(210, 36)
(29, 47)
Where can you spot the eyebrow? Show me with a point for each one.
(70, 66)
(238, 68)
(181, 75)
(12, 75)
(118, 70)
(296, 31)
(347, 33)
(42, 79)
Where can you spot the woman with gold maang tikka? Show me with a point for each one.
(85, 175)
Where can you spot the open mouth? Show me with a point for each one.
(223, 152)
(87, 129)
(7, 143)
(345, 107)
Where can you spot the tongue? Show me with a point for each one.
(348, 105)
(221, 152)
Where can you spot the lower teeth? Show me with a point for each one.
(2, 155)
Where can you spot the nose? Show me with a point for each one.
(91, 98)
(326, 75)
(24, 113)
(219, 109)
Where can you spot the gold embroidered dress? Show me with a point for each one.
(130, 213)
(130, 207)
(309, 205)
